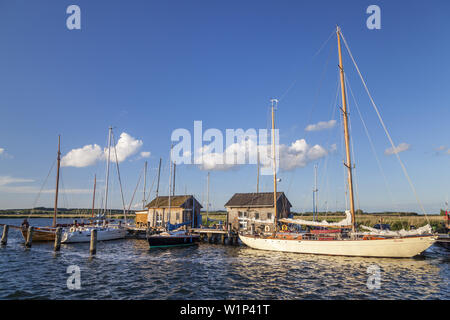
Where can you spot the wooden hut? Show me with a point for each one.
(180, 209)
(247, 209)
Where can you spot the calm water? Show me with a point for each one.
(127, 269)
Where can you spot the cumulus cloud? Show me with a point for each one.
(299, 154)
(88, 155)
(4, 154)
(145, 154)
(400, 148)
(82, 157)
(296, 155)
(322, 125)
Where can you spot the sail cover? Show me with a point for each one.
(417, 232)
(345, 223)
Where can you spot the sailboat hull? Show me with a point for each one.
(389, 247)
(40, 234)
(103, 234)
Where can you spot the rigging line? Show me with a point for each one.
(372, 145)
(296, 80)
(42, 187)
(151, 187)
(135, 189)
(352, 151)
(386, 131)
(118, 175)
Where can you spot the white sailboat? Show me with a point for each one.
(105, 231)
(341, 238)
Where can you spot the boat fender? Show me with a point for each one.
(72, 229)
(267, 228)
(284, 227)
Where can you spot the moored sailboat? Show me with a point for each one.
(42, 234)
(341, 238)
(105, 230)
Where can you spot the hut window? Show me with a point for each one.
(256, 215)
(269, 216)
(178, 216)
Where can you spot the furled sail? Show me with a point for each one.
(401, 233)
(345, 223)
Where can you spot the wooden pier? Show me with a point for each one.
(217, 235)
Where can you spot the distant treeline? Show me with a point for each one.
(44, 210)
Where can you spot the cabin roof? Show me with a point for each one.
(261, 199)
(180, 201)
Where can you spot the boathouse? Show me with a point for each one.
(257, 209)
(179, 209)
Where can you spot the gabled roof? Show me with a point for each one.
(261, 199)
(182, 201)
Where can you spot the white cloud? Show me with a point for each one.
(4, 180)
(88, 155)
(322, 125)
(400, 148)
(126, 146)
(145, 154)
(82, 157)
(4, 154)
(441, 148)
(299, 154)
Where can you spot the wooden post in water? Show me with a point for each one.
(29, 237)
(93, 248)
(58, 239)
(5, 235)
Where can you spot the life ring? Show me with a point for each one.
(267, 228)
(72, 229)
(284, 227)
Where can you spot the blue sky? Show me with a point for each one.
(149, 67)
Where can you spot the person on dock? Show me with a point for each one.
(25, 224)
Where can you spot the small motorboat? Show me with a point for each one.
(172, 239)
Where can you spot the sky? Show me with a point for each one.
(147, 68)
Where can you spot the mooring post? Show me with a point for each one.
(209, 237)
(5, 235)
(222, 238)
(58, 239)
(93, 248)
(29, 237)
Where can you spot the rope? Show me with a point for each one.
(385, 130)
(118, 175)
(42, 187)
(372, 145)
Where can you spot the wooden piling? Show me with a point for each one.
(93, 247)
(58, 239)
(5, 235)
(29, 240)
(222, 238)
(209, 235)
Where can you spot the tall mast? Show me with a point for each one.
(58, 158)
(315, 191)
(93, 198)
(207, 202)
(170, 180)
(257, 175)
(145, 184)
(346, 131)
(159, 175)
(173, 183)
(274, 102)
(107, 171)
